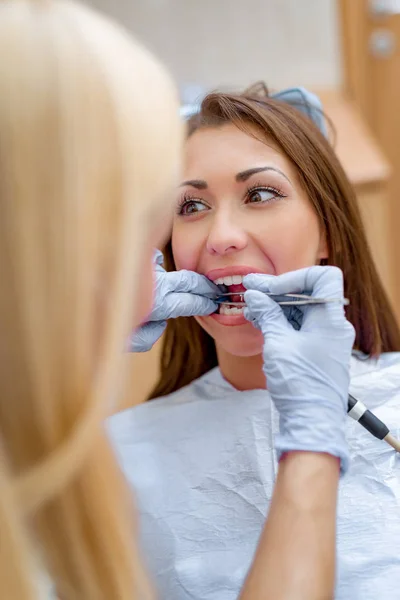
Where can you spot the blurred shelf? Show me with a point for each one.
(359, 153)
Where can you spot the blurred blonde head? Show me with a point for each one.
(89, 148)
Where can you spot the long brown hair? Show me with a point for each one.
(188, 351)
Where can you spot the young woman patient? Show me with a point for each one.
(262, 193)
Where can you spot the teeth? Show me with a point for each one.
(237, 279)
(230, 310)
(230, 280)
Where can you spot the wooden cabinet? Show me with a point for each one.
(370, 48)
(369, 172)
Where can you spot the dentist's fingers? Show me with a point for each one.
(265, 314)
(314, 279)
(144, 338)
(187, 305)
(321, 282)
(158, 257)
(259, 281)
(189, 281)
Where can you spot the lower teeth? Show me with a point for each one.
(225, 309)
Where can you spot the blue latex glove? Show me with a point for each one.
(177, 294)
(307, 371)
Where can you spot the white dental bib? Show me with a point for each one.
(202, 464)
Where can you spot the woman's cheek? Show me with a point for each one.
(185, 249)
(289, 244)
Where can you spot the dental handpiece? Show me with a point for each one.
(359, 412)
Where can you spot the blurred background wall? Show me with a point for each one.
(214, 43)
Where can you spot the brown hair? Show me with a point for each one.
(188, 351)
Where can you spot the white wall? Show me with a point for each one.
(236, 42)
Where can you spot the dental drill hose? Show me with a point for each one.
(359, 412)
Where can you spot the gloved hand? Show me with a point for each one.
(307, 371)
(177, 294)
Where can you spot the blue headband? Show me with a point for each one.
(300, 98)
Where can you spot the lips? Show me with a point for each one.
(229, 320)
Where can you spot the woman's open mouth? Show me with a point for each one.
(235, 290)
(230, 282)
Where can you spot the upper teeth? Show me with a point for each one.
(230, 280)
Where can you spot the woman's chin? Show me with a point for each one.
(233, 334)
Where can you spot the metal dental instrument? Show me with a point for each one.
(282, 299)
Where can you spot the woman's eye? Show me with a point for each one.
(190, 207)
(261, 195)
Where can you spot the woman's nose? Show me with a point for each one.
(226, 236)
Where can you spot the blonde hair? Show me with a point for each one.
(89, 143)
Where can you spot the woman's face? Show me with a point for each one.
(241, 210)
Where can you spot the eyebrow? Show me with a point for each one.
(201, 184)
(244, 175)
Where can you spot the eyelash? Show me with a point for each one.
(185, 199)
(261, 187)
(188, 197)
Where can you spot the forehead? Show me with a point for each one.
(226, 148)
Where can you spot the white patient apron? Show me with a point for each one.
(202, 464)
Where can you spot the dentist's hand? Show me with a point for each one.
(307, 371)
(177, 294)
